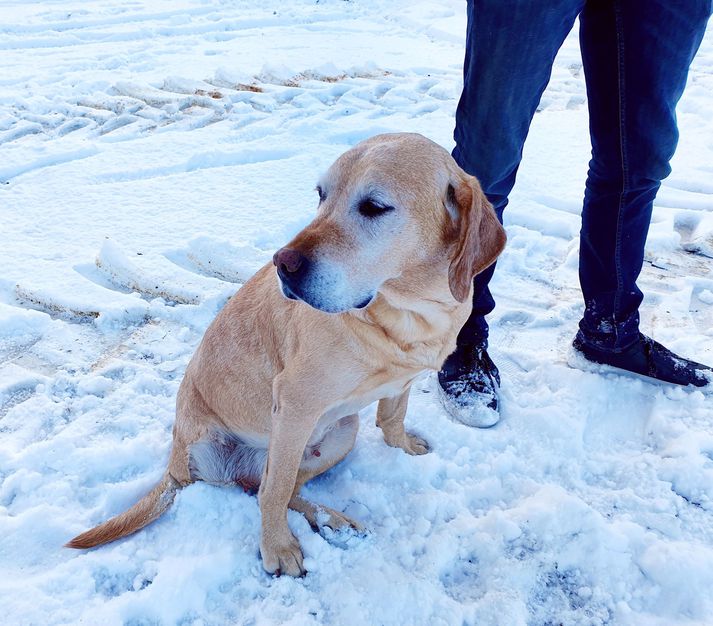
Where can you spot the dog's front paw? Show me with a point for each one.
(411, 444)
(416, 445)
(282, 556)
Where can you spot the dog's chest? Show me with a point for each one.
(359, 400)
(406, 361)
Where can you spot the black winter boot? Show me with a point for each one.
(649, 358)
(468, 385)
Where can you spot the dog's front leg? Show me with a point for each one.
(390, 418)
(293, 419)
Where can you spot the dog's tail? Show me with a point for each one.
(149, 508)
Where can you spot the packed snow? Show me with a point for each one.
(153, 156)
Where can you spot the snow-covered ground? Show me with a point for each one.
(152, 156)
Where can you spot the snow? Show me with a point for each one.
(154, 155)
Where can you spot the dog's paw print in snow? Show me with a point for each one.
(462, 581)
(121, 578)
(563, 596)
(17, 384)
(523, 547)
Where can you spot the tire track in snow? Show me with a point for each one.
(131, 110)
(194, 278)
(223, 98)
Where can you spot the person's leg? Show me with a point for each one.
(510, 47)
(636, 63)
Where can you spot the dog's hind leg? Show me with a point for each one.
(223, 458)
(318, 458)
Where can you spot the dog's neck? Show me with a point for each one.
(416, 309)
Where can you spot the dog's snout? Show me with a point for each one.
(288, 261)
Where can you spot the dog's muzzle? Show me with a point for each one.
(305, 280)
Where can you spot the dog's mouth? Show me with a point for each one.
(287, 292)
(364, 303)
(293, 293)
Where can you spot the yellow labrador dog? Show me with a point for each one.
(368, 296)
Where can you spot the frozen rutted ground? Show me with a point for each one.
(153, 156)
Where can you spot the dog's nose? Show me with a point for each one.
(288, 261)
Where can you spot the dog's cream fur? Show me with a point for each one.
(271, 396)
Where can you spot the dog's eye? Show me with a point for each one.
(369, 208)
(321, 193)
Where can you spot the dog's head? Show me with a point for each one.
(390, 205)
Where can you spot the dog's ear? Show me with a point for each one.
(479, 239)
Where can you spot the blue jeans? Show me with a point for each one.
(636, 57)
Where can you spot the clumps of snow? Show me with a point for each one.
(19, 325)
